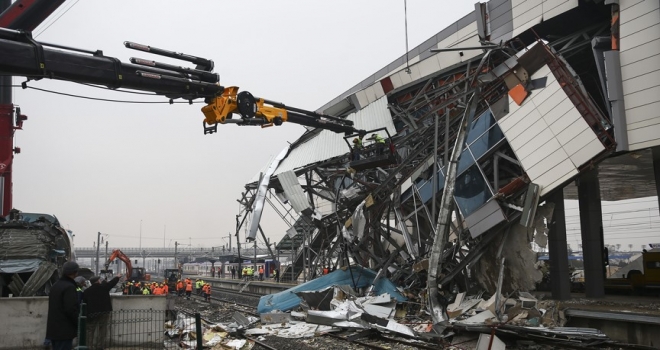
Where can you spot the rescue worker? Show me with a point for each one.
(145, 290)
(189, 288)
(380, 143)
(250, 273)
(165, 288)
(325, 270)
(357, 148)
(179, 288)
(206, 291)
(276, 275)
(244, 273)
(261, 273)
(198, 287)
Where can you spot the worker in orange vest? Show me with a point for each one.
(166, 289)
(207, 292)
(261, 273)
(179, 288)
(189, 288)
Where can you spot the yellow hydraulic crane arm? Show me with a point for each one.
(259, 111)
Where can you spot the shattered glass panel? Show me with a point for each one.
(465, 162)
(486, 141)
(479, 126)
(471, 191)
(426, 189)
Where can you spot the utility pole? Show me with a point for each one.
(176, 261)
(105, 257)
(238, 245)
(144, 253)
(255, 254)
(98, 247)
(230, 241)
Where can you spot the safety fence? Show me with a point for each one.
(127, 329)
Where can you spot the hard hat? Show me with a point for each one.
(355, 140)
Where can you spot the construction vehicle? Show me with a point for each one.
(132, 273)
(646, 280)
(172, 276)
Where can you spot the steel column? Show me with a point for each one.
(6, 133)
(557, 244)
(591, 225)
(655, 151)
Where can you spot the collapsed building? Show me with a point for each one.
(546, 90)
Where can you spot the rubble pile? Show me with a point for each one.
(514, 318)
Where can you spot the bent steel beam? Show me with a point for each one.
(444, 216)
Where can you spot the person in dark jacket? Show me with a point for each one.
(99, 311)
(62, 323)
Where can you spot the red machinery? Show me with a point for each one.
(132, 274)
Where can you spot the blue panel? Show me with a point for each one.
(484, 143)
(465, 162)
(356, 277)
(471, 191)
(479, 126)
(426, 191)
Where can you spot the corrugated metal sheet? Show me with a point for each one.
(293, 191)
(328, 144)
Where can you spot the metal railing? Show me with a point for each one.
(125, 329)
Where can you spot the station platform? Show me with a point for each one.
(265, 287)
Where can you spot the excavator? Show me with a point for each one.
(24, 56)
(132, 273)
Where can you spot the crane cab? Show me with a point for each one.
(371, 149)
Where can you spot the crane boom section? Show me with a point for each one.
(23, 56)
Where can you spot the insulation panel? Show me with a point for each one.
(548, 135)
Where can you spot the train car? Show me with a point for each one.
(223, 269)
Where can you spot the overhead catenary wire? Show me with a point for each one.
(110, 100)
(56, 19)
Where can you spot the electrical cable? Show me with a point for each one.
(109, 100)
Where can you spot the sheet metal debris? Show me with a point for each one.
(355, 276)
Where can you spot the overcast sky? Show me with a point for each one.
(116, 167)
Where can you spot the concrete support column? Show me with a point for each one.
(557, 245)
(591, 225)
(655, 151)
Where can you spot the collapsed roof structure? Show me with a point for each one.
(541, 86)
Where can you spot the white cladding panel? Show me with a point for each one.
(640, 70)
(548, 135)
(642, 114)
(293, 191)
(528, 13)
